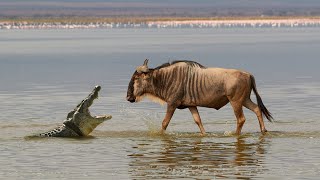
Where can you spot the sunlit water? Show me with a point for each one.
(45, 73)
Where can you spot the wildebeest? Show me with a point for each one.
(188, 84)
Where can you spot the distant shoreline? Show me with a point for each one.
(147, 19)
(157, 22)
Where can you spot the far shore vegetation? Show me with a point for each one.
(85, 20)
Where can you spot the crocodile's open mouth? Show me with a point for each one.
(95, 95)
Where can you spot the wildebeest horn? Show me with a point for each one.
(145, 63)
(144, 68)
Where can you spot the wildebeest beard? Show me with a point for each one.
(130, 96)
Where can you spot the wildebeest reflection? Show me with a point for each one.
(229, 158)
(188, 84)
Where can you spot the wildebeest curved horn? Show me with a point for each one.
(145, 63)
(144, 68)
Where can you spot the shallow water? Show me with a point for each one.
(45, 73)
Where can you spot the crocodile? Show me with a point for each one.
(79, 121)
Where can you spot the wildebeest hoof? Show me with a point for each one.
(162, 132)
(264, 131)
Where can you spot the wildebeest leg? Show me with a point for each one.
(238, 111)
(197, 119)
(253, 107)
(167, 118)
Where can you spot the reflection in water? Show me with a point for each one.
(239, 158)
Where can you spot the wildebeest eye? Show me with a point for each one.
(139, 76)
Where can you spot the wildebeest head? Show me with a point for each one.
(139, 82)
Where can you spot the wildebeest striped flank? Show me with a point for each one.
(188, 84)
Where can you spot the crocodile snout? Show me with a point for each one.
(97, 88)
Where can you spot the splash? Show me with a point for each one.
(153, 127)
(151, 120)
(228, 133)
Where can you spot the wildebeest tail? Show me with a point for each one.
(264, 110)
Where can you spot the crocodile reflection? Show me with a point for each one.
(241, 158)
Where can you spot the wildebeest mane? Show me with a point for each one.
(189, 63)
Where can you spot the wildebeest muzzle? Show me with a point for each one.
(131, 99)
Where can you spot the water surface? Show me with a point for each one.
(45, 73)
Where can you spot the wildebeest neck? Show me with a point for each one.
(164, 82)
(171, 82)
